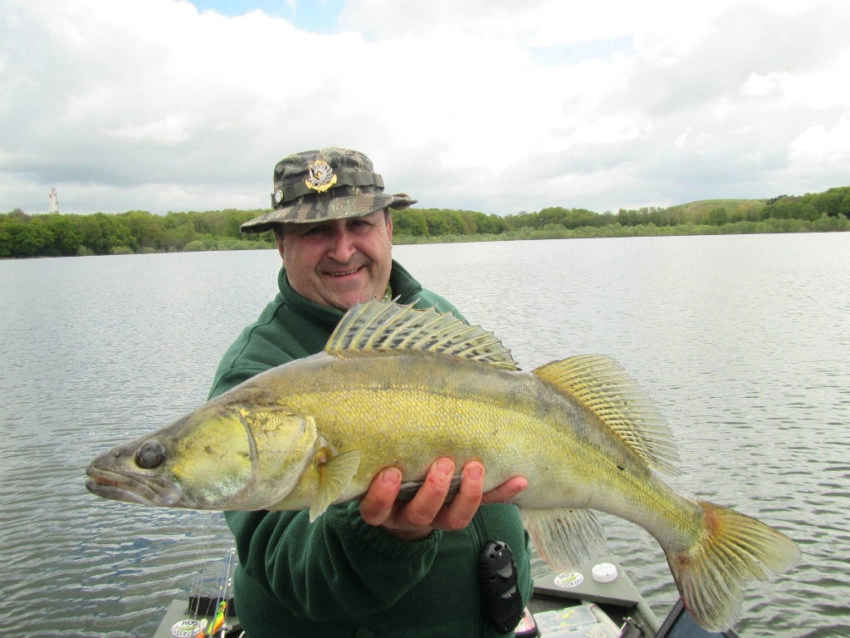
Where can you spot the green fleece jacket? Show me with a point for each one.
(339, 576)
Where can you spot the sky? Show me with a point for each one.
(496, 106)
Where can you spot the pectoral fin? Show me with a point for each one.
(565, 538)
(335, 476)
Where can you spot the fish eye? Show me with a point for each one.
(150, 454)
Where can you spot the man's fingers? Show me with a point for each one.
(428, 510)
(378, 501)
(459, 513)
(429, 500)
(505, 492)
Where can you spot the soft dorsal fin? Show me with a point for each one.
(604, 388)
(378, 326)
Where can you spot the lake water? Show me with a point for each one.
(743, 341)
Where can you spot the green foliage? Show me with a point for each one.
(137, 231)
(716, 212)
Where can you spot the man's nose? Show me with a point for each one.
(342, 246)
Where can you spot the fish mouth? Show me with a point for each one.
(121, 486)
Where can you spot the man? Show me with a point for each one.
(376, 567)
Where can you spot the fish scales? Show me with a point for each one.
(398, 386)
(405, 409)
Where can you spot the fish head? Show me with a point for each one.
(227, 455)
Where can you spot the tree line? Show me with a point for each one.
(53, 235)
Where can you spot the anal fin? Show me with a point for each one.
(565, 538)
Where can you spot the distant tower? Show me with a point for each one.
(54, 200)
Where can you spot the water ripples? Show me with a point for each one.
(742, 341)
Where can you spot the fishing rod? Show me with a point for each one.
(225, 585)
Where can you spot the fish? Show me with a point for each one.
(399, 386)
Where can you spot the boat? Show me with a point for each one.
(600, 600)
(597, 600)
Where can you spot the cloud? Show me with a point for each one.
(490, 105)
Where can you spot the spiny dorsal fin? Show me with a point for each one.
(603, 387)
(381, 326)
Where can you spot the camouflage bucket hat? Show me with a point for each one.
(333, 183)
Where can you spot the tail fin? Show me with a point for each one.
(733, 550)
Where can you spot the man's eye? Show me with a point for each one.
(360, 226)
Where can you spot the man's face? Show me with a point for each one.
(339, 262)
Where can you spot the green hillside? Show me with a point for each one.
(50, 235)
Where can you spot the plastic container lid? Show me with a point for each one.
(605, 573)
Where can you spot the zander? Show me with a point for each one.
(400, 387)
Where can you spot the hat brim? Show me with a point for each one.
(321, 208)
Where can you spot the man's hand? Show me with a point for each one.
(428, 509)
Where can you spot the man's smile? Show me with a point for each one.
(343, 273)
